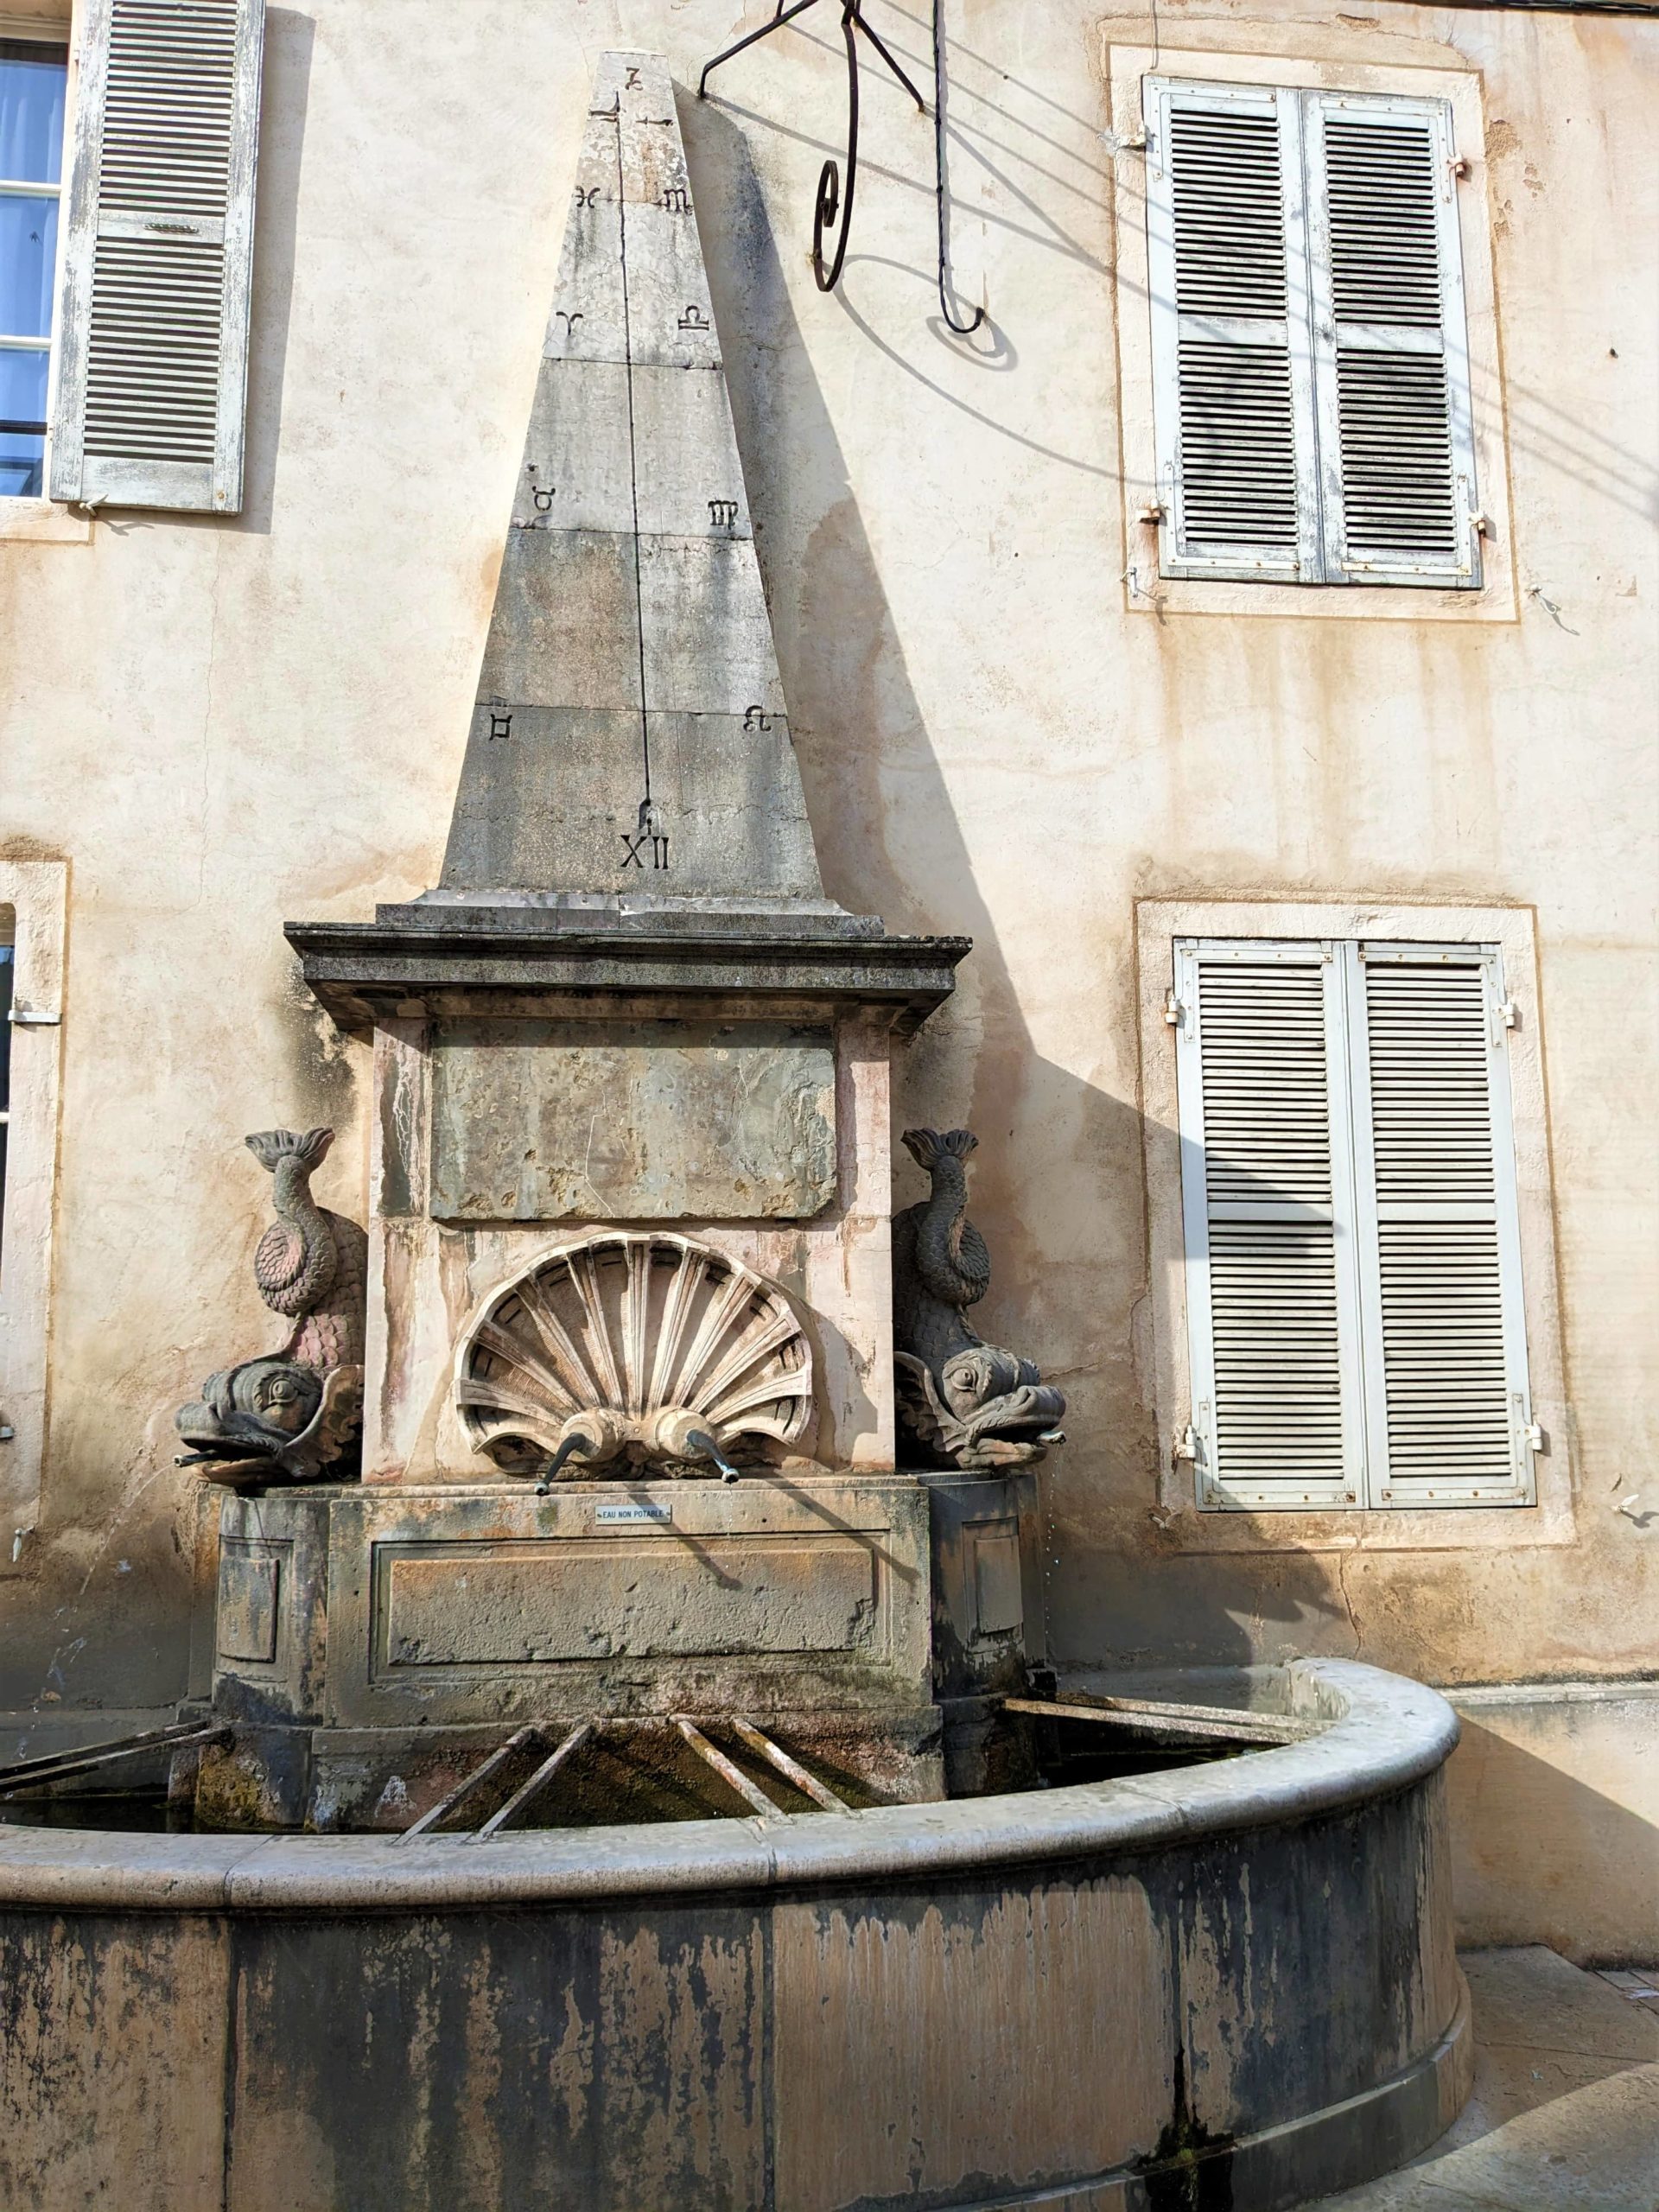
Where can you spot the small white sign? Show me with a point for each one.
(635, 1508)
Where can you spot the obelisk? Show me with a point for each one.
(629, 734)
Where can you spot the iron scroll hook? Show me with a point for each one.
(833, 208)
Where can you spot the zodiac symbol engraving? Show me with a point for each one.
(586, 196)
(569, 321)
(756, 718)
(694, 319)
(545, 497)
(500, 725)
(723, 513)
(677, 200)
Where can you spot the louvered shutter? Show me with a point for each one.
(158, 257)
(1439, 1231)
(1267, 1184)
(1231, 373)
(1390, 351)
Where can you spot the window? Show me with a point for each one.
(1351, 1237)
(32, 83)
(158, 256)
(1310, 382)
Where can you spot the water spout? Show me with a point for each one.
(700, 1439)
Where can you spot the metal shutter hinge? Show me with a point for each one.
(1459, 164)
(1535, 1436)
(1512, 1015)
(1186, 1445)
(1174, 1010)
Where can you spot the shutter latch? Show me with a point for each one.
(27, 1016)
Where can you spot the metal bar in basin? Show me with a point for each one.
(733, 1776)
(808, 1784)
(543, 1773)
(497, 1759)
(58, 1765)
(1201, 1726)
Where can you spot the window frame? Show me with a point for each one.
(37, 516)
(1361, 62)
(37, 894)
(1550, 1520)
(42, 188)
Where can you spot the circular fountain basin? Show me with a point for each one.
(1223, 1988)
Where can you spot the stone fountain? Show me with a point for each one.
(629, 1438)
(634, 1419)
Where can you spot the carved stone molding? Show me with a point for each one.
(629, 1349)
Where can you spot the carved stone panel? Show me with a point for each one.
(560, 1120)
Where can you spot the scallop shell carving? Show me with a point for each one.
(647, 1326)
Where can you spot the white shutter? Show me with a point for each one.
(1232, 387)
(158, 256)
(1266, 1182)
(1396, 441)
(1440, 1233)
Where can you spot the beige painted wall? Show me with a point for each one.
(223, 725)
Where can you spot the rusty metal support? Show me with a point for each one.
(733, 1777)
(543, 1773)
(58, 1766)
(497, 1759)
(808, 1784)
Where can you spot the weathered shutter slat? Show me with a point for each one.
(1232, 370)
(158, 258)
(1447, 1377)
(1272, 1304)
(1390, 351)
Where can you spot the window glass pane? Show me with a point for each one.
(22, 384)
(29, 246)
(32, 80)
(23, 457)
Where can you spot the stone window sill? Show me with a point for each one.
(43, 522)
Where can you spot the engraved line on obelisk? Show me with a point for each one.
(645, 823)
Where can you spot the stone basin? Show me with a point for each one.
(1224, 1988)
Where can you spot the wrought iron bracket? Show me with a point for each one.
(832, 213)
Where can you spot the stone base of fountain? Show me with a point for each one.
(373, 1644)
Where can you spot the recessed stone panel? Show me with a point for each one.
(648, 1596)
(555, 1121)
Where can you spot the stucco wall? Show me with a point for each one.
(224, 724)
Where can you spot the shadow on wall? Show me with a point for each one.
(1540, 1857)
(890, 842)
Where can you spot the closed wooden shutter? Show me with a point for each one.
(1391, 373)
(1231, 375)
(1267, 1178)
(1440, 1241)
(1353, 1285)
(1310, 370)
(158, 257)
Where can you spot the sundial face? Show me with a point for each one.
(630, 732)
